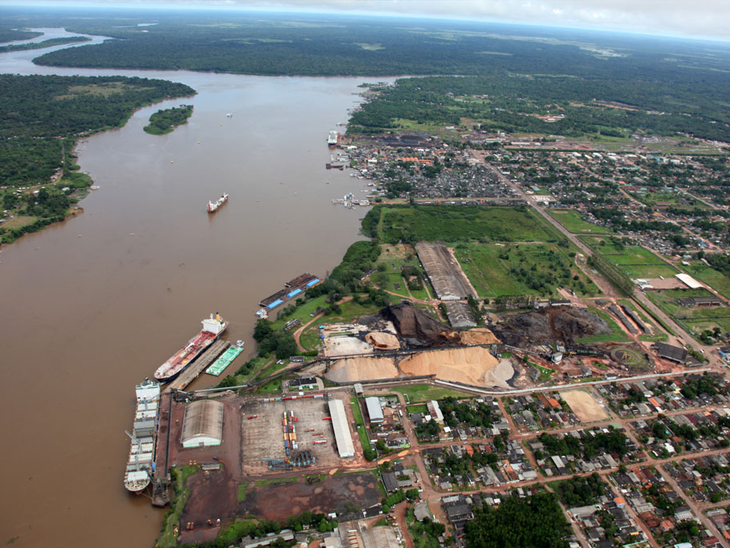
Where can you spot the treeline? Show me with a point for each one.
(44, 44)
(719, 262)
(165, 121)
(506, 102)
(536, 521)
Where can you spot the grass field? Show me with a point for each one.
(696, 319)
(539, 269)
(362, 431)
(394, 258)
(634, 261)
(419, 393)
(462, 223)
(571, 220)
(716, 280)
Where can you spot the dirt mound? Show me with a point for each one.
(417, 327)
(383, 341)
(479, 335)
(466, 365)
(575, 323)
(549, 325)
(362, 369)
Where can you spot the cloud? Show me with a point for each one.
(696, 18)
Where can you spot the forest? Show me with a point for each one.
(44, 44)
(41, 118)
(511, 103)
(166, 120)
(540, 518)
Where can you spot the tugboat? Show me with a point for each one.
(213, 206)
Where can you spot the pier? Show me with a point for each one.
(192, 371)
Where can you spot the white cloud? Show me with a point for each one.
(698, 18)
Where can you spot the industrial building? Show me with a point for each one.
(343, 438)
(375, 410)
(435, 411)
(202, 424)
(669, 352)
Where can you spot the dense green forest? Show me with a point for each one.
(537, 522)
(516, 72)
(41, 117)
(511, 103)
(8, 33)
(165, 121)
(44, 44)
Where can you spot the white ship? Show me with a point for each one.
(333, 139)
(213, 206)
(141, 461)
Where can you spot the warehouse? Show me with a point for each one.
(342, 430)
(202, 424)
(375, 410)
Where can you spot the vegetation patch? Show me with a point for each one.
(419, 393)
(572, 220)
(165, 121)
(180, 475)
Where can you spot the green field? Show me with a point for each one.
(362, 430)
(459, 223)
(716, 280)
(521, 269)
(634, 261)
(571, 219)
(389, 278)
(419, 393)
(696, 319)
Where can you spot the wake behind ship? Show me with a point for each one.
(213, 327)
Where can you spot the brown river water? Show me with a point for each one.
(90, 307)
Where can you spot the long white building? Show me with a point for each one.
(342, 429)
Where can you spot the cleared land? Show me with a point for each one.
(572, 220)
(419, 393)
(461, 223)
(584, 405)
(521, 269)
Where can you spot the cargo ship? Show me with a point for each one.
(213, 327)
(213, 206)
(142, 452)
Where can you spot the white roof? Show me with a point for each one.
(341, 428)
(375, 410)
(689, 281)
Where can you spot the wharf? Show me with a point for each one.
(191, 372)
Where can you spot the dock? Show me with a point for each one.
(192, 371)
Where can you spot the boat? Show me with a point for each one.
(333, 139)
(213, 327)
(262, 313)
(225, 360)
(213, 206)
(141, 462)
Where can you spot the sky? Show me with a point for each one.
(691, 18)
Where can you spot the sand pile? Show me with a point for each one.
(417, 327)
(466, 365)
(479, 335)
(362, 369)
(383, 341)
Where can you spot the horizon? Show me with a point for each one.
(291, 7)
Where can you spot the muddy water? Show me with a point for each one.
(90, 307)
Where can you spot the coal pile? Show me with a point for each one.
(550, 325)
(416, 327)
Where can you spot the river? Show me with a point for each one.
(92, 306)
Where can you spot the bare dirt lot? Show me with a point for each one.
(213, 497)
(584, 405)
(278, 502)
(262, 436)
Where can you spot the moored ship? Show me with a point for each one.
(213, 206)
(142, 452)
(213, 327)
(333, 139)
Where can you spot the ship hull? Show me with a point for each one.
(140, 463)
(172, 368)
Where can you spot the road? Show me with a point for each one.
(597, 278)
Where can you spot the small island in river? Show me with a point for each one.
(165, 121)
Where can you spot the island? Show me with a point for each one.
(165, 121)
